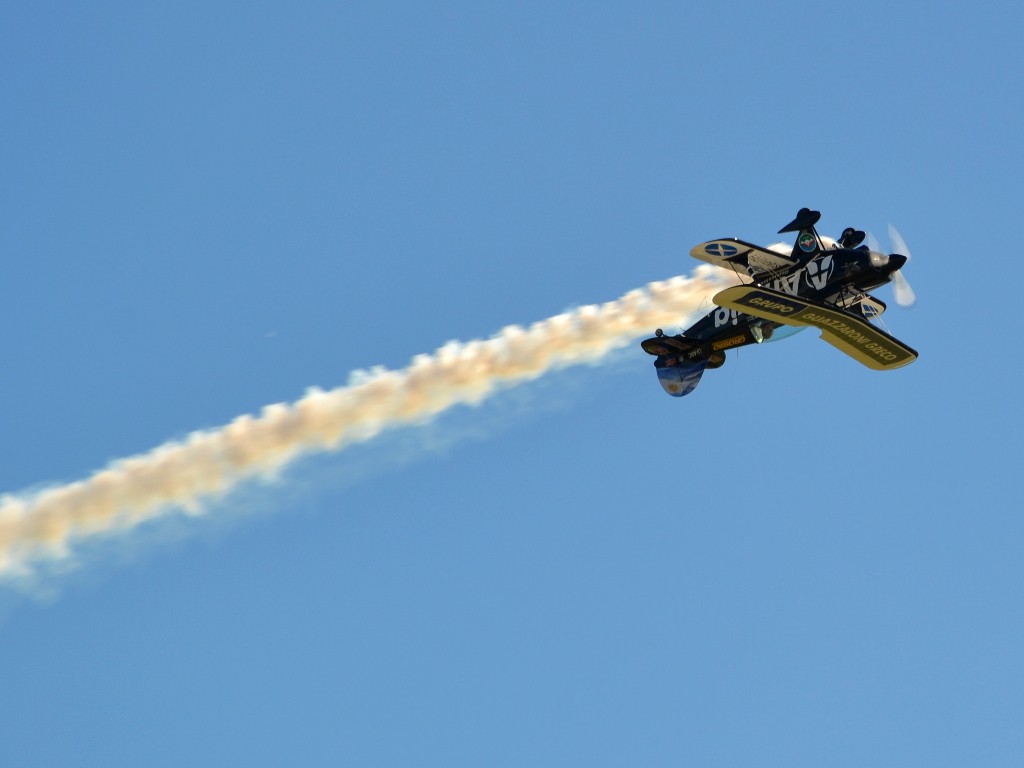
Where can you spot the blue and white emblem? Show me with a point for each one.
(722, 250)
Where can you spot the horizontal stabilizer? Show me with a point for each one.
(805, 219)
(846, 332)
(668, 345)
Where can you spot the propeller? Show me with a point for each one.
(901, 287)
(904, 293)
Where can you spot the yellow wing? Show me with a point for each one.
(850, 334)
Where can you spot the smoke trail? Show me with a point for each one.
(179, 475)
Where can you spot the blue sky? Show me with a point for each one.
(208, 207)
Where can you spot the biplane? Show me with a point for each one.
(816, 282)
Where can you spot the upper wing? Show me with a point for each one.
(736, 254)
(846, 332)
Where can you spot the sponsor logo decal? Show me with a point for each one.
(806, 242)
(725, 316)
(761, 261)
(873, 345)
(774, 306)
(733, 341)
(771, 303)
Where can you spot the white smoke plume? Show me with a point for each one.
(179, 476)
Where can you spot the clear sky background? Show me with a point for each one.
(208, 207)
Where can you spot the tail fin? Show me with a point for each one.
(808, 244)
(680, 364)
(680, 379)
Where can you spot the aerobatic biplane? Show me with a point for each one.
(816, 282)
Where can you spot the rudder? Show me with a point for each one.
(808, 243)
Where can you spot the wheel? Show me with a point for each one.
(716, 360)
